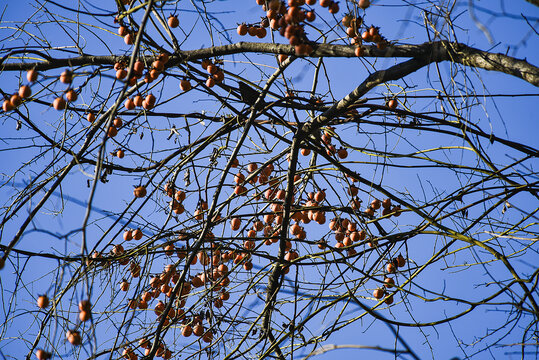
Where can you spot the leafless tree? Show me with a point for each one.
(167, 187)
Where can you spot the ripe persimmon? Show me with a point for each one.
(66, 77)
(364, 4)
(59, 103)
(140, 191)
(242, 29)
(31, 75)
(74, 338)
(137, 233)
(25, 91)
(173, 21)
(185, 85)
(43, 301)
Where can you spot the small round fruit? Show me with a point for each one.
(364, 4)
(242, 30)
(85, 315)
(66, 77)
(71, 95)
(185, 85)
(139, 191)
(25, 91)
(43, 301)
(173, 21)
(128, 39)
(187, 331)
(122, 31)
(112, 132)
(390, 268)
(31, 75)
(74, 338)
(389, 282)
(392, 104)
(42, 354)
(378, 293)
(129, 104)
(16, 100)
(85, 305)
(120, 154)
(117, 123)
(137, 233)
(59, 103)
(375, 204)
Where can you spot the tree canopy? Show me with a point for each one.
(267, 179)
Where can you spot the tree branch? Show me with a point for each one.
(429, 52)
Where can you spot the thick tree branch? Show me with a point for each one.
(428, 52)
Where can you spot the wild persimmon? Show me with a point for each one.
(129, 104)
(16, 100)
(242, 29)
(364, 4)
(137, 233)
(43, 355)
(121, 74)
(389, 282)
(261, 33)
(59, 103)
(173, 21)
(128, 39)
(389, 300)
(85, 316)
(117, 123)
(43, 301)
(369, 211)
(25, 91)
(185, 85)
(74, 338)
(66, 77)
(71, 95)
(210, 82)
(112, 131)
(390, 268)
(342, 153)
(90, 117)
(187, 331)
(320, 196)
(386, 203)
(375, 204)
(31, 75)
(392, 104)
(124, 285)
(366, 36)
(325, 3)
(138, 67)
(378, 293)
(158, 65)
(240, 190)
(235, 223)
(123, 31)
(140, 191)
